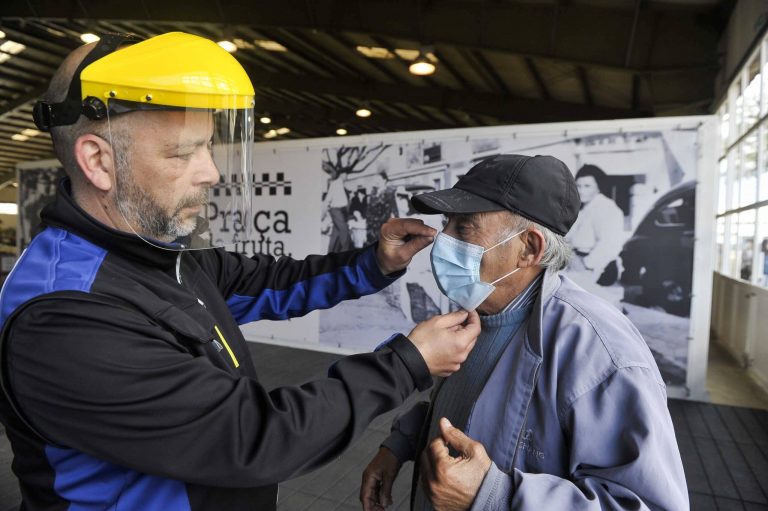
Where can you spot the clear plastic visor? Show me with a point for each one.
(183, 176)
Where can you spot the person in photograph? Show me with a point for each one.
(381, 205)
(561, 405)
(357, 222)
(596, 237)
(336, 203)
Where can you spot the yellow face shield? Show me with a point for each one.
(179, 111)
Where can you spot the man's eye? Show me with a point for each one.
(184, 156)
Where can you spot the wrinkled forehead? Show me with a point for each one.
(171, 126)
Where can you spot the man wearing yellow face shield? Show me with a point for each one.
(125, 376)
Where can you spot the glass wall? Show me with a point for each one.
(742, 203)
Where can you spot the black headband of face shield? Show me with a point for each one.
(47, 115)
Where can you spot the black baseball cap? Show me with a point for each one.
(539, 188)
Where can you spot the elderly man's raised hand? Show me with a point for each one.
(446, 340)
(400, 240)
(452, 483)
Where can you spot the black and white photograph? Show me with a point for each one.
(632, 243)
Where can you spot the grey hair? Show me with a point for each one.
(558, 252)
(64, 137)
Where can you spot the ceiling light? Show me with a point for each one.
(9, 208)
(374, 52)
(265, 119)
(270, 134)
(270, 45)
(243, 44)
(341, 131)
(88, 37)
(228, 45)
(363, 112)
(407, 54)
(421, 67)
(283, 131)
(19, 137)
(4, 57)
(30, 132)
(2, 34)
(12, 47)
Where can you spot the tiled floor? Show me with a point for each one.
(729, 384)
(724, 449)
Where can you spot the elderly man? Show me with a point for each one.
(561, 404)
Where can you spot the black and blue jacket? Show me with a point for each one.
(129, 386)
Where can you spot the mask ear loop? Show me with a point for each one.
(496, 245)
(505, 276)
(503, 241)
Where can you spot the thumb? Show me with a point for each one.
(455, 437)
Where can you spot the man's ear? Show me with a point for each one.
(533, 250)
(95, 158)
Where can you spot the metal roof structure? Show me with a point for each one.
(314, 63)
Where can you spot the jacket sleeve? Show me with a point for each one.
(623, 456)
(404, 437)
(109, 382)
(262, 287)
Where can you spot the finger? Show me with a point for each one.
(455, 318)
(418, 243)
(472, 323)
(402, 227)
(385, 491)
(438, 450)
(455, 438)
(368, 491)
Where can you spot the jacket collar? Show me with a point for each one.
(66, 214)
(549, 286)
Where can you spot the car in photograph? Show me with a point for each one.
(658, 259)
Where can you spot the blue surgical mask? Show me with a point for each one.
(456, 268)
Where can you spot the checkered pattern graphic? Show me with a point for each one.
(266, 186)
(270, 187)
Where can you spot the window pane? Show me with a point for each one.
(752, 93)
(722, 187)
(725, 126)
(764, 169)
(732, 246)
(720, 239)
(762, 256)
(748, 192)
(735, 178)
(746, 244)
(738, 107)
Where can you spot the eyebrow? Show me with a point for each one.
(187, 145)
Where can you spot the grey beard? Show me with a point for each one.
(139, 208)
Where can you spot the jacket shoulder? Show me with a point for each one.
(588, 339)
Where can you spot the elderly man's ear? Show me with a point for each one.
(96, 159)
(534, 246)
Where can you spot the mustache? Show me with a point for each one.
(199, 198)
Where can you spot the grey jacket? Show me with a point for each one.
(584, 423)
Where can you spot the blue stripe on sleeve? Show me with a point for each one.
(319, 292)
(88, 484)
(56, 260)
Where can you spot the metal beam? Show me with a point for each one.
(504, 109)
(582, 73)
(515, 28)
(543, 91)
